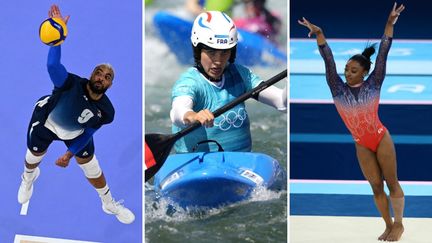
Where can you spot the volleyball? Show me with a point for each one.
(53, 31)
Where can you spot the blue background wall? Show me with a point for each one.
(361, 19)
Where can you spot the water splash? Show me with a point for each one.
(161, 209)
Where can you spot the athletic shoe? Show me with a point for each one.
(123, 214)
(26, 188)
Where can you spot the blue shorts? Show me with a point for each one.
(39, 137)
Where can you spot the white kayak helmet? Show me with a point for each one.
(214, 29)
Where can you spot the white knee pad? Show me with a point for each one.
(92, 169)
(33, 159)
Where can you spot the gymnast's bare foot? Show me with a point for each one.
(396, 232)
(385, 234)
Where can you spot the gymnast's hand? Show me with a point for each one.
(313, 29)
(394, 14)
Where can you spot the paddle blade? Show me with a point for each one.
(149, 158)
(157, 149)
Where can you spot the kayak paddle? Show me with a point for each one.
(158, 146)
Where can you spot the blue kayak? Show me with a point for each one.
(216, 179)
(252, 49)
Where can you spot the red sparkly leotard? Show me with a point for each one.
(358, 107)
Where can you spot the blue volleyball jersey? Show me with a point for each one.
(231, 129)
(71, 110)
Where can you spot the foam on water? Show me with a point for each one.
(263, 194)
(161, 209)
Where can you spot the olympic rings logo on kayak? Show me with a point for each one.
(231, 119)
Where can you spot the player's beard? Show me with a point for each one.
(97, 89)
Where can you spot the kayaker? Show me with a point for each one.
(259, 19)
(357, 102)
(214, 81)
(74, 111)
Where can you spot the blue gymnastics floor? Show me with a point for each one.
(353, 198)
(64, 205)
